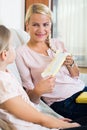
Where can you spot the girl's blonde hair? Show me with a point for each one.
(39, 9)
(4, 38)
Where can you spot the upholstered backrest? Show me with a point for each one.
(20, 37)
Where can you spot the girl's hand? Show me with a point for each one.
(53, 122)
(66, 119)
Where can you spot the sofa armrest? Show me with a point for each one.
(46, 109)
(83, 77)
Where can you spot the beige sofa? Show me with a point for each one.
(21, 37)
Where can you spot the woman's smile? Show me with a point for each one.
(40, 35)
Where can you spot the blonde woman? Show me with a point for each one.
(58, 92)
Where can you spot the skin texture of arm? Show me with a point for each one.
(28, 113)
(45, 85)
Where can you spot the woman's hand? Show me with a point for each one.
(46, 85)
(68, 61)
(71, 66)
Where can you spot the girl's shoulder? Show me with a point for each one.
(8, 88)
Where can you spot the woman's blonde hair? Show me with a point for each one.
(39, 9)
(4, 38)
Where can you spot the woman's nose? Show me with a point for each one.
(41, 28)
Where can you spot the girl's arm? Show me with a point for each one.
(19, 108)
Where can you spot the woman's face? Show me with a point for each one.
(39, 27)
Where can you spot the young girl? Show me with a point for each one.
(15, 106)
(58, 92)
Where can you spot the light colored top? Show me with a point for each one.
(31, 64)
(9, 88)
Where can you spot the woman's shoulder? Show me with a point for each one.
(57, 40)
(57, 43)
(22, 49)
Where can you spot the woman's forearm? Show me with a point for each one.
(34, 96)
(73, 70)
(71, 66)
(44, 86)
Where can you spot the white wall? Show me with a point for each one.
(12, 13)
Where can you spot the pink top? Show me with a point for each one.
(9, 88)
(31, 64)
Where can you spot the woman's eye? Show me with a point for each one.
(35, 25)
(38, 25)
(46, 24)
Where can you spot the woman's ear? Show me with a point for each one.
(27, 27)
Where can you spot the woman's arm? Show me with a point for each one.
(42, 87)
(26, 78)
(34, 92)
(18, 107)
(69, 62)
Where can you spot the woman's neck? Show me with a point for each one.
(40, 47)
